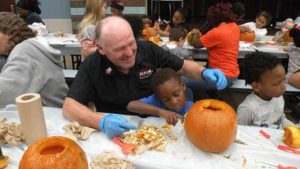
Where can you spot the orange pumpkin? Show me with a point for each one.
(54, 152)
(247, 36)
(211, 125)
(291, 136)
(149, 32)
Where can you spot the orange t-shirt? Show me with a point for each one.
(222, 44)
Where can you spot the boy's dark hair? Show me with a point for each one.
(176, 33)
(184, 13)
(257, 63)
(295, 34)
(162, 76)
(117, 6)
(136, 24)
(31, 5)
(238, 9)
(265, 14)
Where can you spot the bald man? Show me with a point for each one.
(121, 71)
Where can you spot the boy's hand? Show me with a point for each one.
(171, 117)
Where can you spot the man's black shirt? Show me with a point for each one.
(100, 82)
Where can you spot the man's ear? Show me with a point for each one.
(255, 86)
(100, 48)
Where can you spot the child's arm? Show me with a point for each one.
(294, 80)
(165, 32)
(140, 107)
(278, 36)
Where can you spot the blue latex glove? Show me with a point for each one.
(215, 76)
(114, 125)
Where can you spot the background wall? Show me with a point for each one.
(57, 15)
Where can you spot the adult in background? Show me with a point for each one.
(32, 65)
(29, 10)
(94, 12)
(222, 43)
(121, 71)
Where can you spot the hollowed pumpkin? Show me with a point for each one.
(291, 136)
(54, 152)
(247, 36)
(189, 37)
(211, 125)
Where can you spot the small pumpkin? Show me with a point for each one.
(291, 136)
(211, 125)
(247, 36)
(54, 152)
(189, 37)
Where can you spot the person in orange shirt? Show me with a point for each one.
(222, 43)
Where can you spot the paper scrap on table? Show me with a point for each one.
(76, 131)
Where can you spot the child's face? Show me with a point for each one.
(147, 22)
(272, 83)
(115, 11)
(288, 26)
(178, 18)
(171, 94)
(261, 21)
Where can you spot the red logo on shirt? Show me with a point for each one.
(145, 72)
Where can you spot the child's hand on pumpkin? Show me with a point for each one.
(171, 117)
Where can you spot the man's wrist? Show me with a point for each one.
(202, 74)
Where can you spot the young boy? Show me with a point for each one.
(177, 38)
(262, 19)
(264, 106)
(168, 100)
(117, 8)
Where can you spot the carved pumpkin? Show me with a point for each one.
(54, 152)
(189, 37)
(291, 136)
(247, 36)
(211, 125)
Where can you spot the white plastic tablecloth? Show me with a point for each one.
(257, 152)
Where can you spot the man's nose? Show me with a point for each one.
(128, 51)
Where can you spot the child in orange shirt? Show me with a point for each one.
(222, 43)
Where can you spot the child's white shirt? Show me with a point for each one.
(254, 111)
(260, 33)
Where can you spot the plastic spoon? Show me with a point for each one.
(126, 148)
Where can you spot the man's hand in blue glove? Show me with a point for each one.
(215, 76)
(114, 125)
